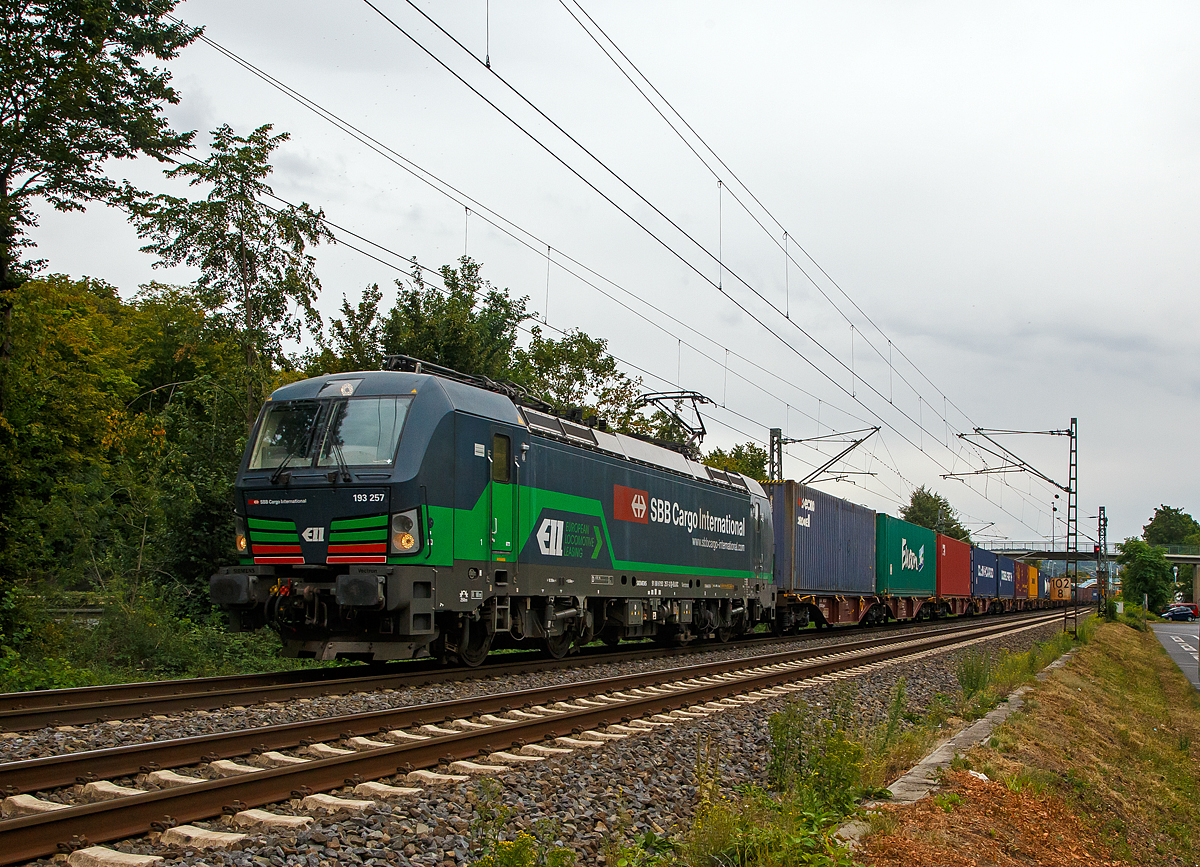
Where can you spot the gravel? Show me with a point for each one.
(644, 783)
(16, 746)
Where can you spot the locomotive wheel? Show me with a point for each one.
(558, 645)
(725, 634)
(474, 644)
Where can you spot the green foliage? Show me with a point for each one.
(358, 336)
(75, 95)
(577, 372)
(1144, 570)
(1134, 616)
(762, 830)
(524, 849)
(947, 801)
(814, 757)
(1170, 526)
(124, 439)
(148, 637)
(1110, 610)
(974, 670)
(252, 256)
(471, 328)
(749, 459)
(931, 510)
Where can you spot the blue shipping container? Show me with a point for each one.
(1043, 585)
(1006, 585)
(983, 574)
(823, 544)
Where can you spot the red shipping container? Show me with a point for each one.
(1022, 580)
(953, 567)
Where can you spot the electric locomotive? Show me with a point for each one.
(417, 511)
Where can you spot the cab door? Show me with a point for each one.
(502, 498)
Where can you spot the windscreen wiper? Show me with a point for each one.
(343, 468)
(282, 465)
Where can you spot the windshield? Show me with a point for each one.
(285, 433)
(364, 430)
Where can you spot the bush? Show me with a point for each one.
(146, 637)
(974, 672)
(764, 831)
(814, 758)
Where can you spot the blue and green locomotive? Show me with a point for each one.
(412, 511)
(415, 511)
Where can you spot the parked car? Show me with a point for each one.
(1194, 607)
(1180, 612)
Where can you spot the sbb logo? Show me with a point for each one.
(630, 504)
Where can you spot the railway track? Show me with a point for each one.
(85, 705)
(408, 741)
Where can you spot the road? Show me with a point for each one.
(1181, 641)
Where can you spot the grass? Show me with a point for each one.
(1114, 734)
(135, 639)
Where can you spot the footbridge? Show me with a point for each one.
(1041, 549)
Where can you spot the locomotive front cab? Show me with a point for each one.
(333, 527)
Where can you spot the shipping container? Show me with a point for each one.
(905, 558)
(1006, 577)
(1034, 582)
(953, 567)
(823, 544)
(1043, 585)
(1022, 580)
(983, 574)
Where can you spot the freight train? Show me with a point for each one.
(416, 511)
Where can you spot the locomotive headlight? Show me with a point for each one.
(239, 534)
(404, 535)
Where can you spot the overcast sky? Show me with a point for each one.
(999, 198)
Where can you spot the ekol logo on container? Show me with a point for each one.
(909, 560)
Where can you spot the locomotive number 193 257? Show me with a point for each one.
(368, 498)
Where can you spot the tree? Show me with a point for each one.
(1170, 526)
(749, 459)
(1144, 570)
(930, 509)
(252, 256)
(357, 339)
(471, 327)
(577, 372)
(73, 95)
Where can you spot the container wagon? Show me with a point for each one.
(953, 576)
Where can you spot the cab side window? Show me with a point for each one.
(501, 464)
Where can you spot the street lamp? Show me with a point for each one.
(1178, 596)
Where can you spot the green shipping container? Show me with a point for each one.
(905, 558)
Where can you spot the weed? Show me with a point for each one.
(947, 801)
(1185, 742)
(974, 672)
(525, 849)
(764, 831)
(882, 822)
(814, 758)
(960, 763)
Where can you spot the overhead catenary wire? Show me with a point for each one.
(728, 171)
(415, 170)
(558, 158)
(512, 230)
